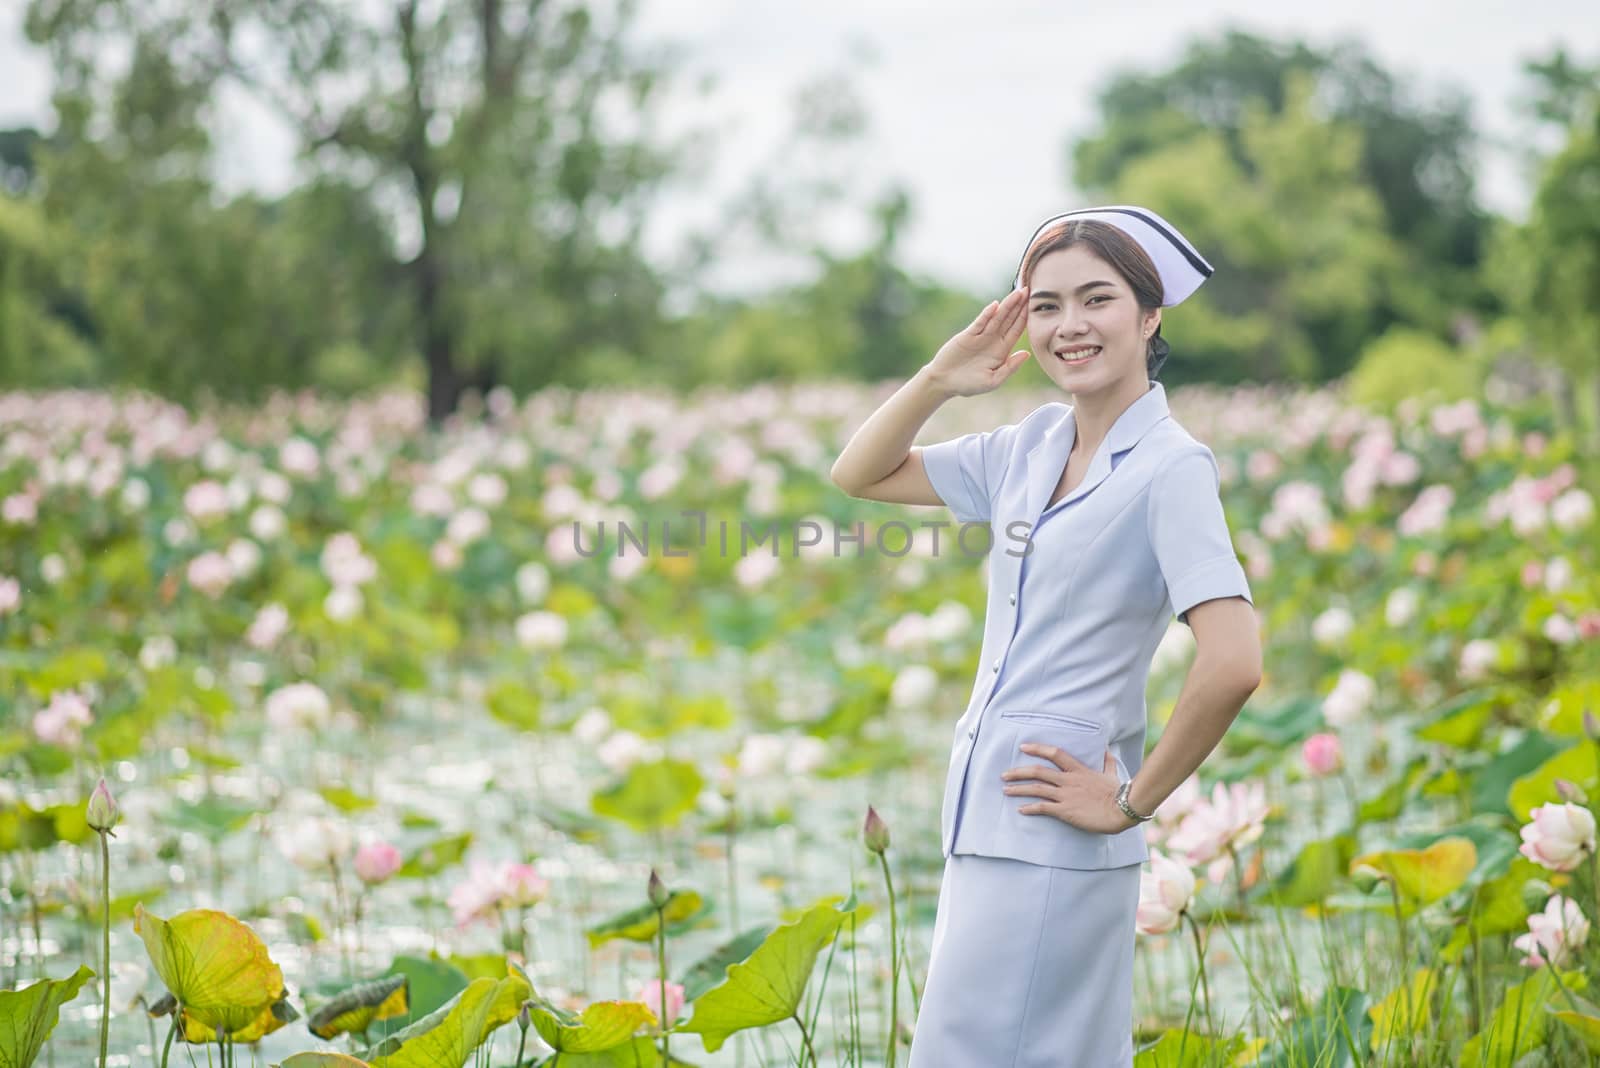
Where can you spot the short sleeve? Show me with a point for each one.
(966, 471)
(1189, 533)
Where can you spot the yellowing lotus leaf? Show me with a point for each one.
(1423, 876)
(603, 1025)
(216, 967)
(267, 1020)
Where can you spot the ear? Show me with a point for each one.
(1152, 323)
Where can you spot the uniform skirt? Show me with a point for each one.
(1031, 967)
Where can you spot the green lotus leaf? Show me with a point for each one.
(431, 983)
(1186, 1049)
(767, 987)
(603, 1025)
(447, 1037)
(1538, 787)
(435, 857)
(1585, 1024)
(215, 966)
(1519, 1023)
(713, 968)
(640, 924)
(1332, 1035)
(1313, 873)
(653, 795)
(1404, 1012)
(346, 800)
(355, 1009)
(514, 705)
(322, 1060)
(1563, 712)
(27, 1016)
(1460, 721)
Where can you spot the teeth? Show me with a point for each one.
(1079, 355)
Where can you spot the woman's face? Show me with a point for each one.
(1084, 325)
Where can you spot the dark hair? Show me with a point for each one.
(1126, 257)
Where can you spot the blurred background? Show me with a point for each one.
(224, 198)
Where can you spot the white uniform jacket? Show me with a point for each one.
(1079, 598)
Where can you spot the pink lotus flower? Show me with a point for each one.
(1165, 892)
(10, 594)
(1477, 657)
(477, 898)
(1234, 817)
(1558, 836)
(205, 501)
(520, 886)
(1351, 697)
(61, 722)
(650, 994)
(488, 889)
(1321, 754)
(1588, 625)
(210, 573)
(376, 862)
(1557, 930)
(299, 704)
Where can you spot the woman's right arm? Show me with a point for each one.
(880, 463)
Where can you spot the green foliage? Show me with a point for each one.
(1405, 362)
(1303, 262)
(767, 987)
(27, 1016)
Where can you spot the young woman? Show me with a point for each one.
(1105, 521)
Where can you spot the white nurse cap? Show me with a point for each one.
(1182, 269)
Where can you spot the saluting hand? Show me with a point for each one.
(1073, 792)
(979, 358)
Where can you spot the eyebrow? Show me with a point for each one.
(1041, 294)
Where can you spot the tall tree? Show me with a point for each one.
(1415, 153)
(507, 145)
(1550, 264)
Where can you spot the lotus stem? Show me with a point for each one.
(105, 954)
(894, 965)
(338, 917)
(167, 1046)
(805, 1036)
(1594, 872)
(661, 987)
(1200, 962)
(733, 880)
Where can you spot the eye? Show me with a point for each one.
(1043, 305)
(1098, 296)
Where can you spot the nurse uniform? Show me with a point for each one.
(1032, 954)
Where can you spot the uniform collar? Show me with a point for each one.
(1046, 459)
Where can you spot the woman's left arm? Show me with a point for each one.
(1225, 672)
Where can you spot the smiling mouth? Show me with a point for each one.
(1073, 359)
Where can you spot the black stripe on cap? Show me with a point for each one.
(1189, 254)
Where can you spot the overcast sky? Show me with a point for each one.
(971, 106)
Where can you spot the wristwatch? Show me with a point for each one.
(1127, 809)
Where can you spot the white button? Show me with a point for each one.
(997, 666)
(972, 732)
(1013, 598)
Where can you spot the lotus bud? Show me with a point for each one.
(1571, 792)
(1535, 892)
(876, 832)
(1366, 878)
(1591, 725)
(103, 813)
(524, 1017)
(658, 891)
